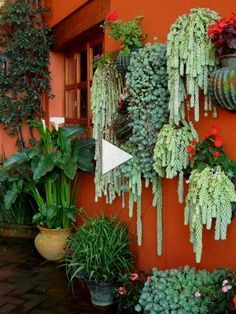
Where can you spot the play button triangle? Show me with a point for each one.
(112, 156)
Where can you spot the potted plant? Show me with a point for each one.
(128, 34)
(223, 37)
(99, 252)
(211, 190)
(184, 290)
(53, 182)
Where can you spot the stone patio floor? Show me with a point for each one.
(28, 284)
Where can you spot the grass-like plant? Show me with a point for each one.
(99, 250)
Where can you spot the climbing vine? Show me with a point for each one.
(26, 42)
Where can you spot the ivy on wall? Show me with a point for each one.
(25, 42)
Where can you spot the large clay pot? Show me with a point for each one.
(223, 83)
(50, 243)
(101, 293)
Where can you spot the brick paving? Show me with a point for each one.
(28, 284)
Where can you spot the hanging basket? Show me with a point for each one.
(123, 61)
(223, 83)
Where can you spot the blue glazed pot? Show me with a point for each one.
(101, 293)
(223, 83)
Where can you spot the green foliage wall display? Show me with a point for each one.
(190, 59)
(210, 195)
(170, 154)
(146, 84)
(106, 89)
(184, 291)
(26, 42)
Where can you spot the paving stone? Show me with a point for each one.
(7, 308)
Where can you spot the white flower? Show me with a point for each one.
(44, 125)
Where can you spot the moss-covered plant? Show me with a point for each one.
(191, 58)
(25, 42)
(184, 291)
(170, 155)
(106, 89)
(210, 196)
(148, 111)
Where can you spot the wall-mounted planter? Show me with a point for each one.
(223, 83)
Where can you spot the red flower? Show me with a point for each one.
(112, 17)
(191, 150)
(214, 130)
(216, 154)
(97, 57)
(194, 143)
(122, 290)
(207, 134)
(218, 141)
(191, 158)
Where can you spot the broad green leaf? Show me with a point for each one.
(44, 166)
(69, 166)
(74, 130)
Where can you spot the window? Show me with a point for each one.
(78, 79)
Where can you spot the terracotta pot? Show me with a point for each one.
(18, 231)
(223, 83)
(50, 243)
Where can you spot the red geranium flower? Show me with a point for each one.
(112, 17)
(194, 143)
(214, 130)
(207, 134)
(216, 154)
(218, 141)
(191, 150)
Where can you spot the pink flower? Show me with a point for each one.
(197, 294)
(122, 290)
(224, 282)
(133, 276)
(112, 17)
(226, 288)
(97, 57)
(148, 278)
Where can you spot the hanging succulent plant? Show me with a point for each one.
(148, 111)
(106, 89)
(170, 153)
(210, 195)
(190, 60)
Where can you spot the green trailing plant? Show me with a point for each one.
(128, 34)
(170, 155)
(106, 89)
(25, 42)
(148, 110)
(190, 60)
(99, 250)
(51, 176)
(209, 197)
(184, 290)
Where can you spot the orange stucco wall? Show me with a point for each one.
(177, 251)
(61, 9)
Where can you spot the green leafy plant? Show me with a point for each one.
(99, 250)
(53, 162)
(185, 291)
(129, 34)
(170, 155)
(25, 42)
(210, 196)
(128, 293)
(190, 59)
(148, 111)
(210, 152)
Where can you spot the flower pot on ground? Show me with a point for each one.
(52, 179)
(99, 250)
(50, 243)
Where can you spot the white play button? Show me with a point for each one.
(112, 156)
